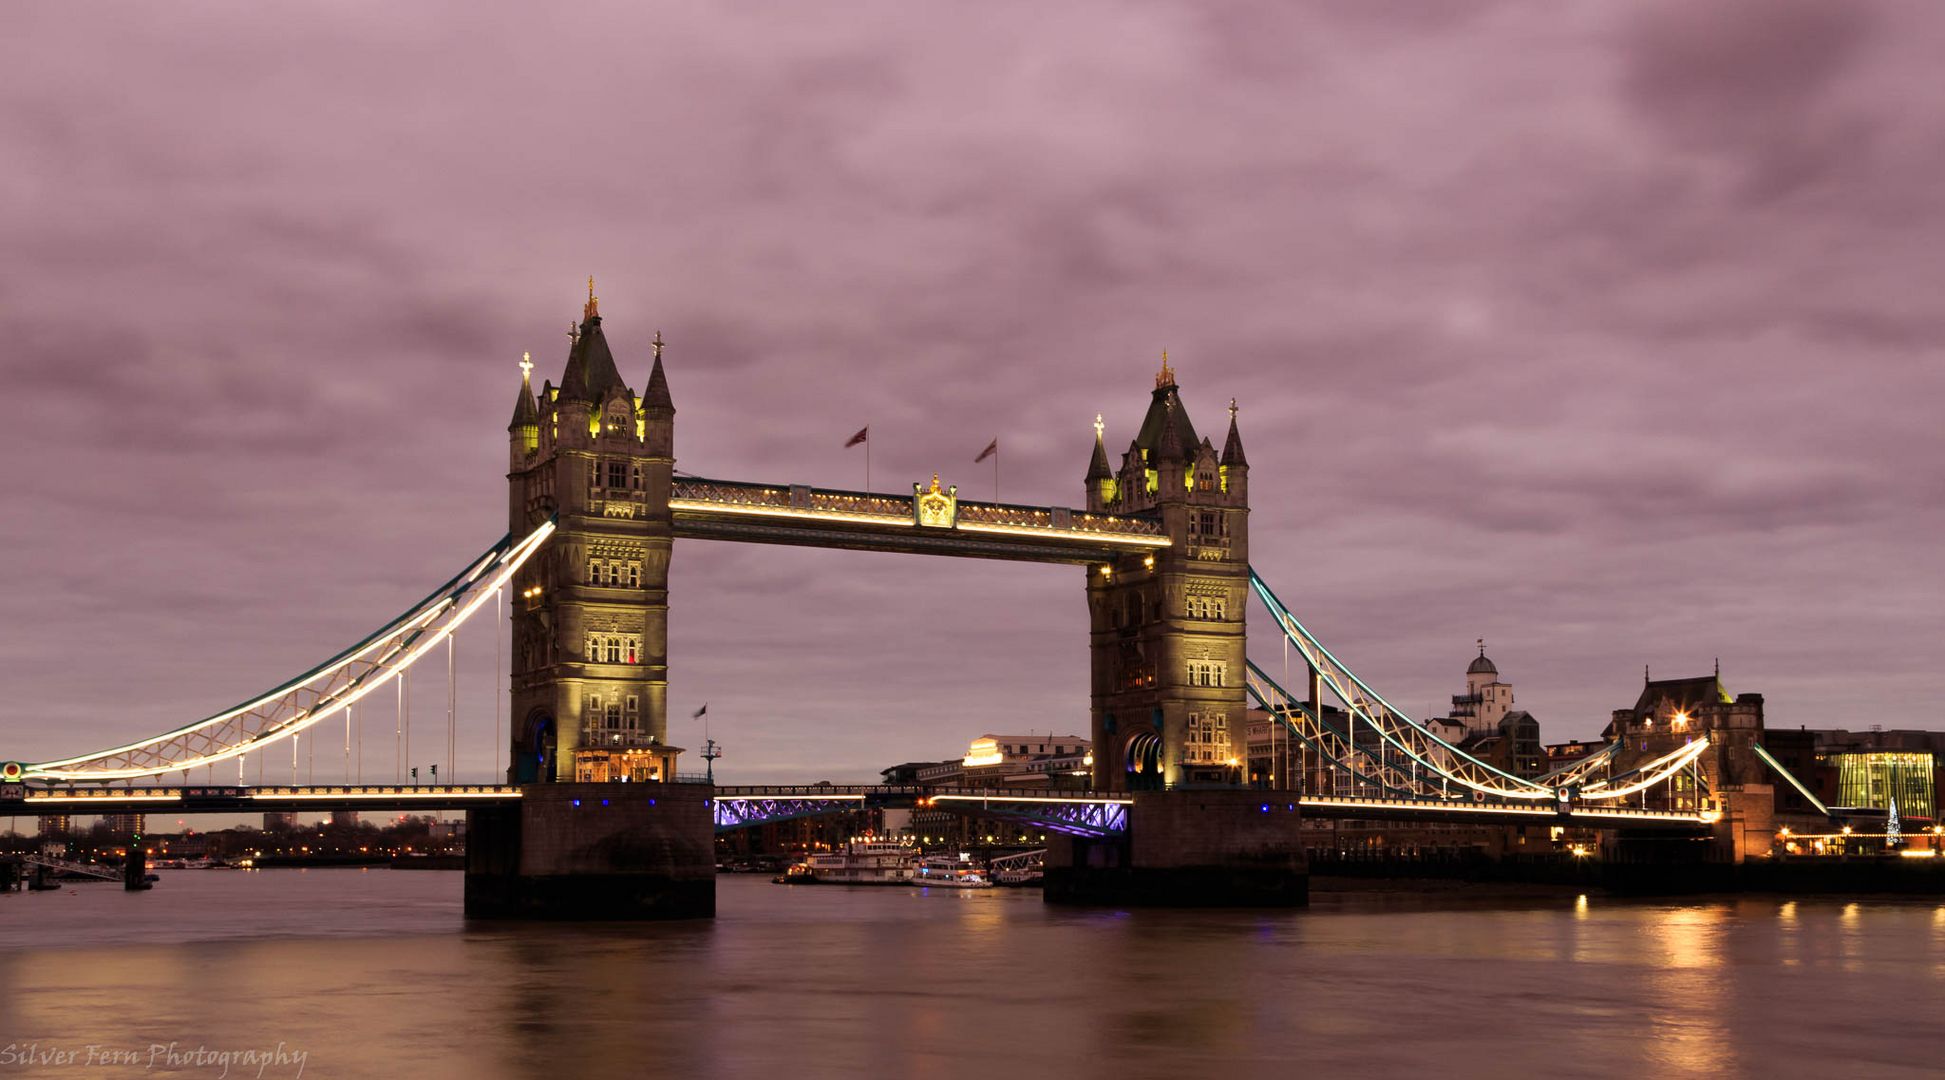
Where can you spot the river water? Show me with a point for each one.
(375, 973)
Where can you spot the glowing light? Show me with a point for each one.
(507, 562)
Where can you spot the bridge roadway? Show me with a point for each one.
(1090, 812)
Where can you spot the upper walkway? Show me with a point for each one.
(933, 521)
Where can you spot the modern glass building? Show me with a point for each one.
(1874, 778)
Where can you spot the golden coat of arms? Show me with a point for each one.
(934, 508)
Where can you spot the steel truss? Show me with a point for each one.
(740, 813)
(1080, 814)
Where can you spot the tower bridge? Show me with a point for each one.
(1161, 540)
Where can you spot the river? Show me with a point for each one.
(375, 973)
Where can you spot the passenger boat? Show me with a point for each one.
(862, 861)
(951, 872)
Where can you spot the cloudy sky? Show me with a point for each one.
(1607, 332)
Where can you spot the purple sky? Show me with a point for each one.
(1609, 333)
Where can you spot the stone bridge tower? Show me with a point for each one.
(1167, 630)
(590, 612)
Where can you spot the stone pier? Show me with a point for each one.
(1189, 848)
(594, 852)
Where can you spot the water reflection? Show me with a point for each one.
(377, 975)
(1683, 949)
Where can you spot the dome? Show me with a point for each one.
(1482, 666)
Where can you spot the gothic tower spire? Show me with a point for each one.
(1232, 447)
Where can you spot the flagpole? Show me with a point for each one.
(867, 459)
(996, 474)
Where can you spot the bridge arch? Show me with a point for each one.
(536, 748)
(1142, 755)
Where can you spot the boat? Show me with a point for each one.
(1019, 877)
(1020, 869)
(864, 860)
(951, 872)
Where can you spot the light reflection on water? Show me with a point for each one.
(376, 974)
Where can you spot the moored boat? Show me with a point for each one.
(861, 861)
(951, 872)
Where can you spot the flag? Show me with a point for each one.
(697, 715)
(861, 436)
(991, 449)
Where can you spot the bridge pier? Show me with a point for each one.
(135, 867)
(593, 852)
(1188, 848)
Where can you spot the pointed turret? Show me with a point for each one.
(1232, 447)
(525, 412)
(591, 371)
(1171, 445)
(656, 396)
(574, 381)
(523, 431)
(1100, 484)
(1097, 469)
(1165, 401)
(598, 363)
(658, 409)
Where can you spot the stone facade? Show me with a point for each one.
(590, 611)
(1671, 712)
(1166, 630)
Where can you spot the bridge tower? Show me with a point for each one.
(1167, 629)
(590, 613)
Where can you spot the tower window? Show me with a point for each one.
(617, 474)
(1206, 607)
(634, 575)
(633, 712)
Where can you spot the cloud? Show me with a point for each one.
(1604, 333)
